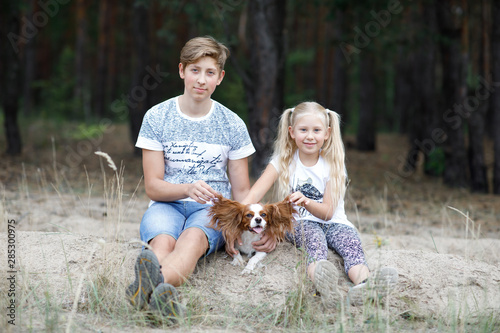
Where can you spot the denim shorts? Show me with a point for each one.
(172, 218)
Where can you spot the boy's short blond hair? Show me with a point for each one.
(199, 47)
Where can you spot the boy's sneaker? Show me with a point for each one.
(378, 286)
(165, 300)
(147, 277)
(325, 278)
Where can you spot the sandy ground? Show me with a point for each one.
(448, 264)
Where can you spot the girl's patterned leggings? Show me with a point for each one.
(317, 237)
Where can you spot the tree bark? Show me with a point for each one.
(265, 92)
(477, 165)
(9, 74)
(321, 57)
(404, 99)
(454, 90)
(138, 99)
(338, 95)
(102, 57)
(112, 59)
(81, 92)
(29, 64)
(495, 100)
(421, 94)
(366, 140)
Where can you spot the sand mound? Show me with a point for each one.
(430, 283)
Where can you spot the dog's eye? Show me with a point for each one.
(263, 214)
(249, 216)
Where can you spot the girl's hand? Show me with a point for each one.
(201, 192)
(299, 199)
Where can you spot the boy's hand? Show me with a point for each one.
(201, 192)
(265, 244)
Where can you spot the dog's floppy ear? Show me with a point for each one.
(225, 215)
(281, 218)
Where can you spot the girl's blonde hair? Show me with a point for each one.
(332, 151)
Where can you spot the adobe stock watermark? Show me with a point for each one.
(452, 117)
(372, 29)
(39, 19)
(119, 107)
(138, 94)
(222, 6)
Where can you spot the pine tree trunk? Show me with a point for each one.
(495, 100)
(479, 182)
(337, 101)
(477, 165)
(29, 63)
(9, 75)
(322, 47)
(421, 95)
(404, 99)
(112, 59)
(101, 86)
(366, 140)
(455, 172)
(138, 99)
(265, 92)
(81, 71)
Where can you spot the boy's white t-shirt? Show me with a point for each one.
(311, 181)
(196, 148)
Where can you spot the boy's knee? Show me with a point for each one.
(162, 243)
(195, 236)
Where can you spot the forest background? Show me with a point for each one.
(417, 83)
(427, 69)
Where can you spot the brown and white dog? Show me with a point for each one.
(250, 221)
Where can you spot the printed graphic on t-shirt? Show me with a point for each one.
(309, 191)
(195, 148)
(193, 157)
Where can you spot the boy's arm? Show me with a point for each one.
(238, 177)
(153, 164)
(240, 185)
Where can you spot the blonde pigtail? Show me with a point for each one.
(334, 153)
(284, 148)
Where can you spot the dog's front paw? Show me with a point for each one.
(251, 268)
(247, 271)
(238, 260)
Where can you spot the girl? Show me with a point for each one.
(308, 162)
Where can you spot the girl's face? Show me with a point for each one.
(309, 133)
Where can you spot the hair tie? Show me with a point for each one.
(328, 112)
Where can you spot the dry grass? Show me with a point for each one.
(89, 295)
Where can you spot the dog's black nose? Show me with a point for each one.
(258, 220)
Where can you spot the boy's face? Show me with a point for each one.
(201, 78)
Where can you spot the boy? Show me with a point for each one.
(193, 147)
